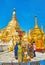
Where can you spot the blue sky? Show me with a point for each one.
(25, 12)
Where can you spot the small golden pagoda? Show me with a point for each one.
(37, 35)
(44, 39)
(25, 38)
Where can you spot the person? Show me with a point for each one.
(19, 52)
(34, 47)
(30, 50)
(16, 50)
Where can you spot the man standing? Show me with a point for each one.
(19, 52)
(16, 51)
(34, 47)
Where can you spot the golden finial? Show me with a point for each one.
(42, 29)
(36, 22)
(14, 13)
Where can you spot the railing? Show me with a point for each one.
(42, 62)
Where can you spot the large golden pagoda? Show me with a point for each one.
(37, 35)
(11, 32)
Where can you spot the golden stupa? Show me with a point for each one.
(25, 38)
(37, 35)
(12, 31)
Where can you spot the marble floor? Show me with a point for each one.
(9, 57)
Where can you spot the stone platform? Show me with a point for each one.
(7, 58)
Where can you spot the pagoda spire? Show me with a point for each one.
(14, 14)
(42, 29)
(36, 22)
